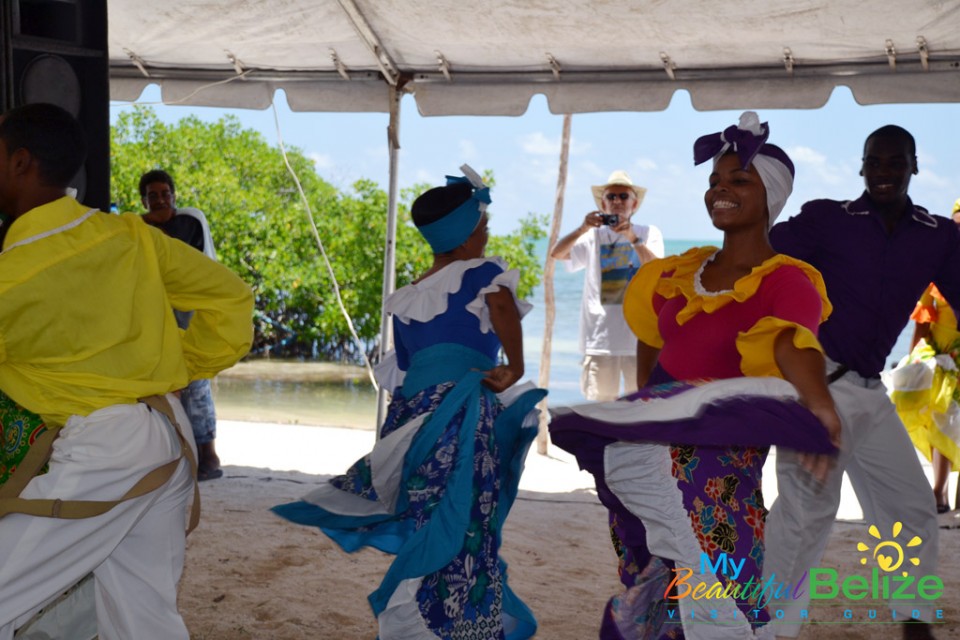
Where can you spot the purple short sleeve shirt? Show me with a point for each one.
(873, 278)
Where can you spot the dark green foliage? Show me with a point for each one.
(262, 232)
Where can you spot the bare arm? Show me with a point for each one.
(561, 250)
(626, 229)
(645, 254)
(506, 324)
(646, 361)
(805, 369)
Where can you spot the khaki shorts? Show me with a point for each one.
(600, 377)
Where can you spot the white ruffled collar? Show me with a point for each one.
(698, 283)
(425, 300)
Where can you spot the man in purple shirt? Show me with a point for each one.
(877, 254)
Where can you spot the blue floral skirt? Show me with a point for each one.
(435, 491)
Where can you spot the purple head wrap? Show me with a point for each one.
(748, 140)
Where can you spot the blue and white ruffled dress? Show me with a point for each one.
(438, 485)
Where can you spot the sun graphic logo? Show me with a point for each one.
(890, 554)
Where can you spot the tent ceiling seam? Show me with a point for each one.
(338, 63)
(554, 66)
(138, 62)
(387, 66)
(122, 69)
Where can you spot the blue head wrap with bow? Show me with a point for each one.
(748, 140)
(453, 229)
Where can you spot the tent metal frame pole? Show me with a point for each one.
(389, 252)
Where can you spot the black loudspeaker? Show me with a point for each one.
(56, 51)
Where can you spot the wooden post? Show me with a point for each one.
(548, 297)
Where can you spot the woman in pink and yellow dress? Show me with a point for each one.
(728, 364)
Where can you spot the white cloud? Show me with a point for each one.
(592, 170)
(806, 155)
(815, 168)
(931, 179)
(677, 170)
(377, 152)
(468, 150)
(645, 164)
(321, 161)
(539, 144)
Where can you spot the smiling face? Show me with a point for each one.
(736, 197)
(888, 164)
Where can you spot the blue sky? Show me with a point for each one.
(654, 148)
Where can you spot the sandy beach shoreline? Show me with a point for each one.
(250, 574)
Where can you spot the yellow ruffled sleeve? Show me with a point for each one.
(638, 308)
(756, 345)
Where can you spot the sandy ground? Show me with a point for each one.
(250, 574)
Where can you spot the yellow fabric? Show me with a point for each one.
(943, 325)
(649, 280)
(118, 340)
(638, 302)
(919, 409)
(756, 345)
(926, 435)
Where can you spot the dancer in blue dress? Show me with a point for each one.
(438, 485)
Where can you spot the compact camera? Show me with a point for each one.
(609, 219)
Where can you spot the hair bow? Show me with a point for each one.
(745, 139)
(481, 192)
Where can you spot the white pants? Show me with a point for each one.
(889, 482)
(600, 377)
(135, 550)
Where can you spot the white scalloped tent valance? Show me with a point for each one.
(491, 57)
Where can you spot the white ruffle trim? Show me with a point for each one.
(687, 405)
(478, 307)
(386, 470)
(428, 298)
(401, 620)
(387, 373)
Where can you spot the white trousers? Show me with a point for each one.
(889, 482)
(135, 550)
(600, 377)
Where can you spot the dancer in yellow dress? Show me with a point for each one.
(925, 389)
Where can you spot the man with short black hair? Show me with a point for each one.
(85, 333)
(877, 254)
(159, 195)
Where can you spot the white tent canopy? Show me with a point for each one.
(491, 57)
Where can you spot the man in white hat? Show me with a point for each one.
(611, 248)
